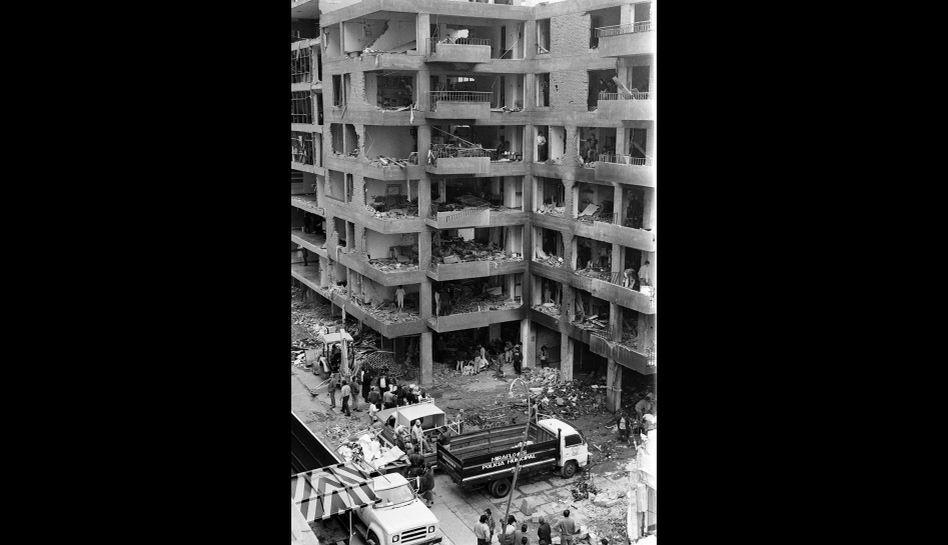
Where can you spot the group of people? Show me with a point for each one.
(631, 426)
(508, 353)
(512, 533)
(413, 441)
(379, 392)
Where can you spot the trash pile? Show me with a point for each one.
(550, 309)
(551, 210)
(457, 250)
(392, 207)
(393, 265)
(507, 109)
(602, 273)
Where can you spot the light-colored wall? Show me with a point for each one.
(390, 141)
(397, 34)
(377, 245)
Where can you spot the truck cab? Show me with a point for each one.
(573, 451)
(400, 517)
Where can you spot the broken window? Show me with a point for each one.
(591, 313)
(551, 196)
(543, 36)
(602, 86)
(392, 252)
(391, 200)
(637, 144)
(300, 65)
(336, 188)
(550, 144)
(391, 92)
(319, 108)
(543, 90)
(485, 294)
(602, 18)
(391, 144)
(593, 258)
(639, 78)
(631, 265)
(337, 97)
(335, 134)
(593, 142)
(349, 187)
(301, 145)
(548, 246)
(595, 202)
(302, 107)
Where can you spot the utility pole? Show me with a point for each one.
(523, 447)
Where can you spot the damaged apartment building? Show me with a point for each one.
(493, 161)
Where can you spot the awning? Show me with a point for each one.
(331, 490)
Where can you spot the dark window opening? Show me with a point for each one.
(302, 107)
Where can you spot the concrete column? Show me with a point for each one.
(530, 39)
(342, 40)
(566, 357)
(424, 248)
(442, 190)
(571, 158)
(424, 299)
(358, 191)
(423, 84)
(569, 250)
(511, 282)
(359, 238)
(323, 272)
(615, 321)
(622, 71)
(422, 33)
(528, 341)
(526, 188)
(424, 195)
(620, 139)
(619, 205)
(529, 140)
(425, 360)
(613, 386)
(569, 198)
(529, 92)
(617, 262)
(649, 210)
(568, 307)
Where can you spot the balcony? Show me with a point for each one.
(460, 105)
(307, 203)
(463, 50)
(472, 269)
(622, 353)
(625, 40)
(497, 216)
(625, 169)
(445, 160)
(383, 271)
(607, 286)
(312, 242)
(483, 314)
(635, 106)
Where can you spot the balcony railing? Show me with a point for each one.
(620, 159)
(446, 152)
(457, 41)
(628, 28)
(634, 95)
(459, 96)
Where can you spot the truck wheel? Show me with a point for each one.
(374, 538)
(569, 469)
(500, 488)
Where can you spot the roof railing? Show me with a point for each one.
(628, 28)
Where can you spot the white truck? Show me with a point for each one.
(354, 505)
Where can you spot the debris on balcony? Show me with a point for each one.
(592, 271)
(392, 207)
(468, 201)
(551, 260)
(383, 161)
(392, 265)
(493, 299)
(457, 250)
(506, 109)
(387, 312)
(550, 309)
(551, 210)
(592, 323)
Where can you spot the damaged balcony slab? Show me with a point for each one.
(626, 173)
(359, 215)
(563, 172)
(360, 264)
(472, 320)
(625, 40)
(477, 217)
(608, 291)
(313, 243)
(621, 354)
(463, 50)
(307, 203)
(473, 269)
(640, 239)
(460, 165)
(355, 165)
(303, 167)
(309, 277)
(641, 108)
(413, 326)
(447, 109)
(544, 319)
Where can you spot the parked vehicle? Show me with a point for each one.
(340, 499)
(432, 418)
(488, 457)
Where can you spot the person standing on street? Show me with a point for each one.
(375, 397)
(509, 536)
(388, 399)
(490, 523)
(543, 531)
(427, 485)
(333, 381)
(354, 390)
(481, 531)
(567, 529)
(346, 394)
(623, 427)
(366, 384)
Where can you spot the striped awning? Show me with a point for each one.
(331, 490)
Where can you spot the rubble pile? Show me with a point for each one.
(392, 207)
(551, 260)
(551, 210)
(388, 312)
(493, 299)
(566, 400)
(550, 309)
(630, 339)
(468, 201)
(602, 273)
(393, 265)
(596, 212)
(592, 323)
(457, 250)
(344, 429)
(380, 362)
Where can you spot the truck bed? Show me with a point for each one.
(482, 456)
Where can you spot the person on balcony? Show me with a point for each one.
(400, 298)
(644, 280)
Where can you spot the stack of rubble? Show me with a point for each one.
(468, 201)
(565, 399)
(388, 312)
(392, 265)
(392, 207)
(550, 309)
(493, 299)
(457, 250)
(551, 210)
(602, 273)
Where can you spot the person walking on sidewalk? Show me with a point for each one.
(567, 529)
(346, 394)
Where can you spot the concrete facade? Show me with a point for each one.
(362, 43)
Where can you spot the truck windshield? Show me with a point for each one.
(399, 494)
